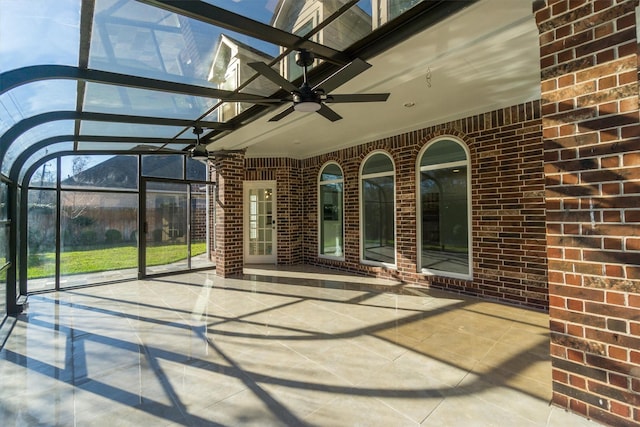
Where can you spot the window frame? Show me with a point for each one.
(419, 170)
(320, 209)
(361, 177)
(311, 12)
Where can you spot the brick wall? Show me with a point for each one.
(589, 59)
(508, 216)
(229, 174)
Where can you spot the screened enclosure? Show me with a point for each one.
(99, 100)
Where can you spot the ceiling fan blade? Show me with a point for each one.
(328, 113)
(343, 75)
(261, 101)
(357, 97)
(282, 114)
(254, 99)
(273, 75)
(224, 154)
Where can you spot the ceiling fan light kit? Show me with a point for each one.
(199, 151)
(307, 106)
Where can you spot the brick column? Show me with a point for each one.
(229, 172)
(591, 130)
(289, 215)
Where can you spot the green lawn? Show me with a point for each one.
(117, 258)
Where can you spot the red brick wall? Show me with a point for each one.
(508, 223)
(229, 174)
(589, 59)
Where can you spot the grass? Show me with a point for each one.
(108, 259)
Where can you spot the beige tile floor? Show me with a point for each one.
(300, 346)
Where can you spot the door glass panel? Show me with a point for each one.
(4, 248)
(99, 232)
(4, 252)
(202, 204)
(260, 224)
(166, 223)
(3, 290)
(41, 240)
(4, 201)
(260, 221)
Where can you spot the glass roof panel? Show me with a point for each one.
(32, 136)
(93, 128)
(132, 37)
(35, 98)
(53, 148)
(39, 32)
(104, 98)
(135, 38)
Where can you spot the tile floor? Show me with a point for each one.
(293, 347)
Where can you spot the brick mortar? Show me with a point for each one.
(591, 116)
(510, 139)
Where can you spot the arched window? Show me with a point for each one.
(377, 204)
(443, 209)
(330, 191)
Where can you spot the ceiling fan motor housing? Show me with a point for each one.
(306, 94)
(304, 58)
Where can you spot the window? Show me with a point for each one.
(398, 7)
(294, 70)
(231, 82)
(444, 209)
(4, 246)
(378, 209)
(83, 218)
(331, 240)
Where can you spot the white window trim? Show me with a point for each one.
(320, 183)
(392, 173)
(420, 169)
(232, 72)
(313, 14)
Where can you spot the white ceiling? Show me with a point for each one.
(484, 58)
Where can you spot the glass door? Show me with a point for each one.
(260, 222)
(201, 232)
(166, 245)
(177, 220)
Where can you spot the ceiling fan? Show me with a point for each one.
(200, 152)
(314, 99)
